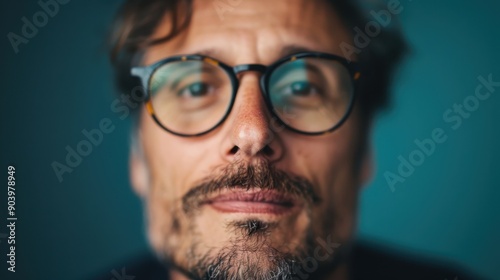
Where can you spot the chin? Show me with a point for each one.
(246, 245)
(249, 248)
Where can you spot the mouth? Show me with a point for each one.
(257, 202)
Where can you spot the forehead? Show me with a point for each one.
(256, 31)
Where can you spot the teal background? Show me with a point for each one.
(60, 83)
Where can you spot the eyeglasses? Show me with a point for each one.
(190, 95)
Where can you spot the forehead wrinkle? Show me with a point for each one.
(253, 33)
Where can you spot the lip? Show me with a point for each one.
(259, 202)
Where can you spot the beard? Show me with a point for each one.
(248, 261)
(254, 248)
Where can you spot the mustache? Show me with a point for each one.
(238, 175)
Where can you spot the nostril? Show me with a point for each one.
(267, 151)
(234, 150)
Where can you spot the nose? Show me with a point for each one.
(253, 132)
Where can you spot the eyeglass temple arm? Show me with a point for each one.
(142, 73)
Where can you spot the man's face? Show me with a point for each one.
(249, 194)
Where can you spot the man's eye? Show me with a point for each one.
(195, 90)
(301, 89)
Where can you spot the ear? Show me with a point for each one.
(138, 171)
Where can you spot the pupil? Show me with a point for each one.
(197, 89)
(300, 87)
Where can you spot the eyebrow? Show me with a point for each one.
(208, 52)
(290, 67)
(187, 70)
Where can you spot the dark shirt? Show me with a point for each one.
(368, 262)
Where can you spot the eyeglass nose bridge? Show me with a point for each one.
(249, 67)
(263, 69)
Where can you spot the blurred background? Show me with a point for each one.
(60, 82)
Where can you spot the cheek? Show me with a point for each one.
(165, 166)
(330, 162)
(161, 217)
(327, 159)
(174, 162)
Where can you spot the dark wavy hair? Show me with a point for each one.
(137, 20)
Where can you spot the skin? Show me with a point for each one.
(165, 166)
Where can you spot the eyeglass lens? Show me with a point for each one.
(307, 94)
